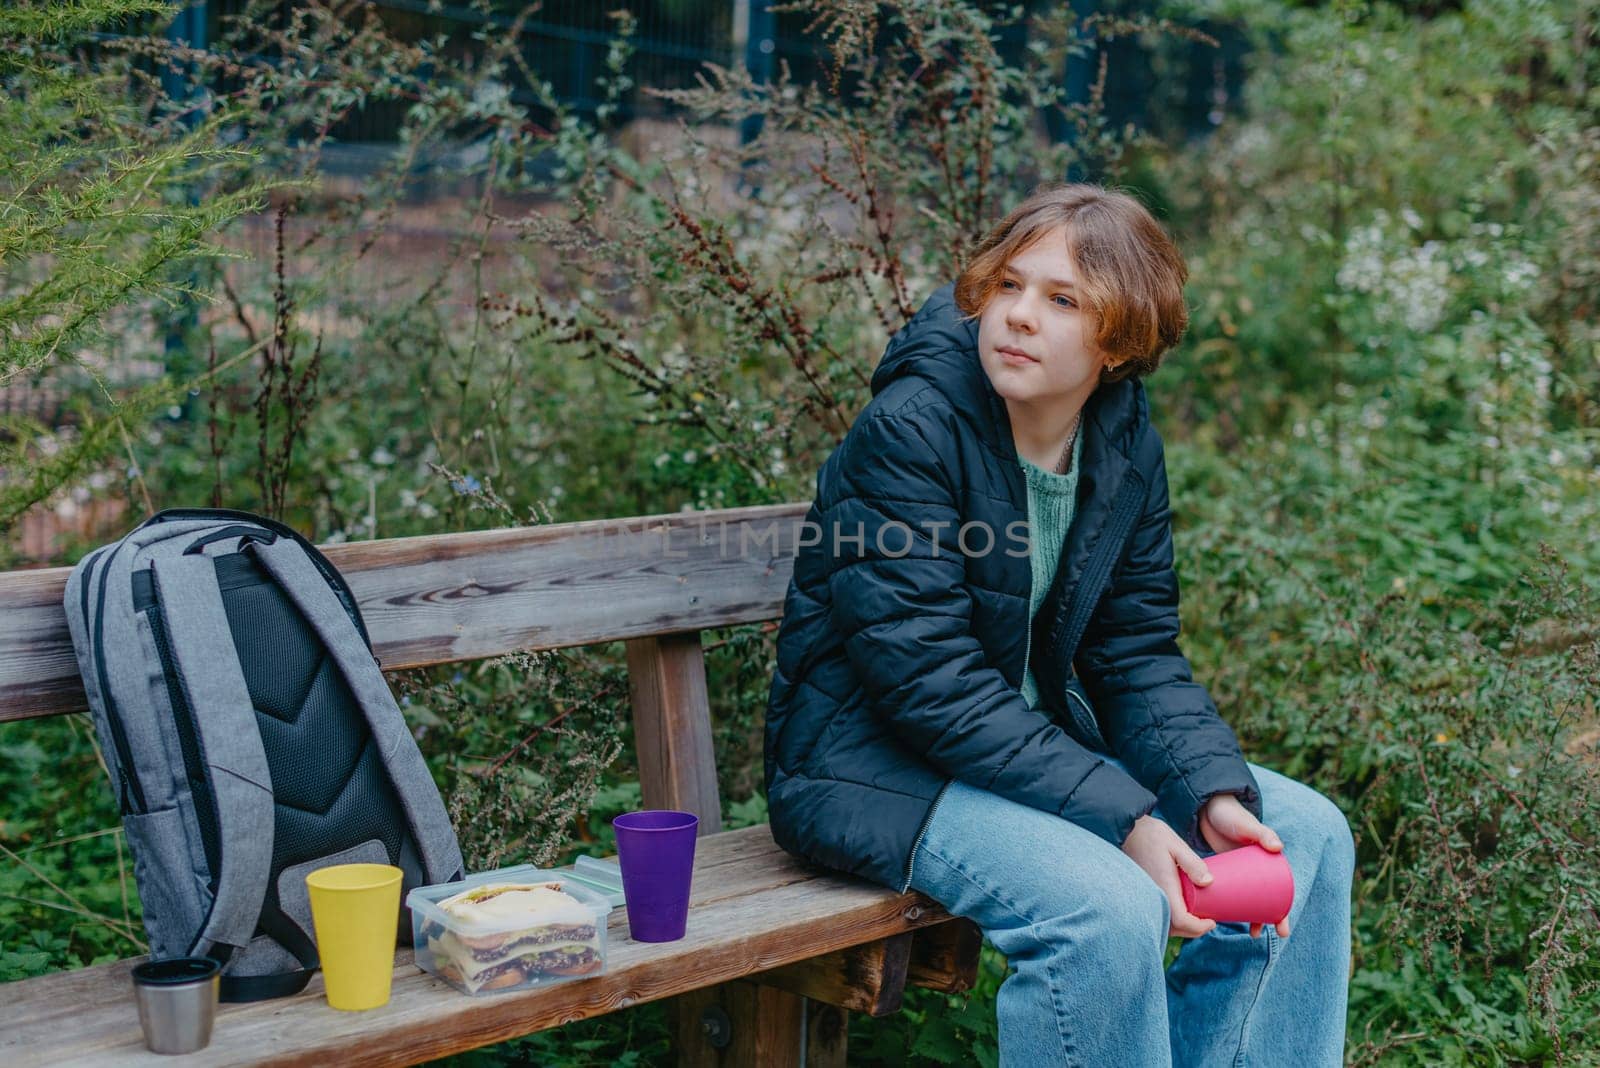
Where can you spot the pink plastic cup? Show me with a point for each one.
(1248, 885)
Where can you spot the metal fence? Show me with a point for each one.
(565, 42)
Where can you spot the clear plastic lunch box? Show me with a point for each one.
(508, 954)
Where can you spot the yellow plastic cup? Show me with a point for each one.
(355, 909)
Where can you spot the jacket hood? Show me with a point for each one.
(941, 347)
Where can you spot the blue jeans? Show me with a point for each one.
(1084, 930)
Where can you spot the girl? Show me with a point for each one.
(979, 692)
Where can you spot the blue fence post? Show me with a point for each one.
(187, 30)
(755, 32)
(1076, 79)
(583, 92)
(760, 51)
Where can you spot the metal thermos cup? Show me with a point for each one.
(177, 1001)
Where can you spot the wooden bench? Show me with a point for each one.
(777, 951)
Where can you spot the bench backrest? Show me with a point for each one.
(652, 581)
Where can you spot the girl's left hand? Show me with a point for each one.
(1226, 824)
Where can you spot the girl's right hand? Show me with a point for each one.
(1157, 849)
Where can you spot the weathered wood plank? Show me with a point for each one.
(827, 1035)
(870, 978)
(699, 1027)
(450, 597)
(752, 1025)
(672, 727)
(773, 1021)
(88, 1016)
(945, 957)
(733, 864)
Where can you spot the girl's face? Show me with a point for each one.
(1035, 342)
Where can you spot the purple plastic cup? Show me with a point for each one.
(655, 849)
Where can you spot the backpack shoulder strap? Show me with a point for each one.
(230, 742)
(300, 580)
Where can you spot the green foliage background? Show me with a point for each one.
(1381, 426)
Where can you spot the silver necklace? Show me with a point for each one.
(1066, 451)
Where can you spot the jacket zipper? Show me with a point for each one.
(911, 858)
(1103, 562)
(1086, 723)
(1027, 650)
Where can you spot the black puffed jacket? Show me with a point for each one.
(904, 633)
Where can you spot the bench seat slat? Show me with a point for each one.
(754, 908)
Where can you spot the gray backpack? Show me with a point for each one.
(250, 737)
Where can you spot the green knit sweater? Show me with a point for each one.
(1052, 499)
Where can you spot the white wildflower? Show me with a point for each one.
(1520, 273)
(675, 358)
(489, 95)
(1411, 284)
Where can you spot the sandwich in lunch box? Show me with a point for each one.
(514, 933)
